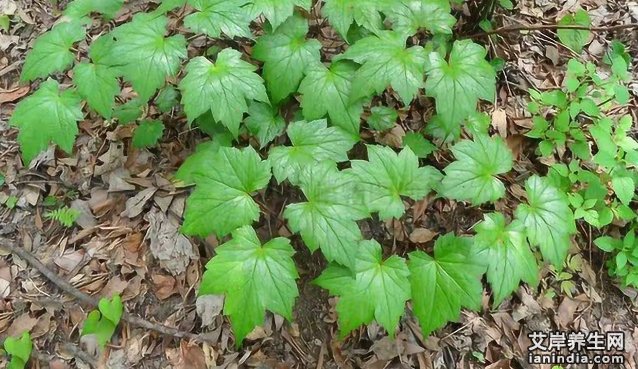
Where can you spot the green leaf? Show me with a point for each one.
(103, 322)
(366, 13)
(311, 142)
(111, 309)
(472, 177)
(145, 56)
(326, 91)
(254, 278)
(148, 133)
(64, 215)
(327, 220)
(222, 88)
(442, 129)
(624, 187)
(504, 248)
(386, 62)
(214, 17)
(221, 201)
(457, 85)
(382, 118)
(286, 54)
(5, 22)
(478, 124)
(572, 38)
(548, 219)
(444, 284)
(608, 244)
(506, 4)
(377, 291)
(276, 11)
(98, 84)
(409, 16)
(51, 52)
(168, 5)
(386, 176)
(167, 99)
(48, 115)
(129, 111)
(264, 122)
(81, 8)
(19, 349)
(198, 161)
(95, 324)
(418, 144)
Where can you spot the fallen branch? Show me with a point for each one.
(543, 27)
(69, 289)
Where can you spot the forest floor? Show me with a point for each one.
(127, 200)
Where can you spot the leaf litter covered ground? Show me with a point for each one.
(126, 240)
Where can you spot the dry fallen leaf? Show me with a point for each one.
(208, 307)
(16, 93)
(135, 205)
(499, 122)
(164, 286)
(23, 323)
(422, 235)
(172, 248)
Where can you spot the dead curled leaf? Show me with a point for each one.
(171, 248)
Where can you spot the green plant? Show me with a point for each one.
(567, 120)
(19, 350)
(232, 98)
(64, 215)
(624, 261)
(103, 321)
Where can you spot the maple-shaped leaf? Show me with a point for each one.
(264, 122)
(48, 115)
(444, 284)
(97, 81)
(385, 61)
(144, 56)
(311, 142)
(377, 291)
(223, 87)
(286, 54)
(548, 219)
(387, 176)
(214, 17)
(253, 277)
(51, 51)
(81, 8)
(327, 220)
(276, 11)
(222, 199)
(504, 249)
(98, 84)
(326, 91)
(366, 13)
(409, 16)
(472, 177)
(459, 83)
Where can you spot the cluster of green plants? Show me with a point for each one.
(100, 323)
(598, 155)
(404, 48)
